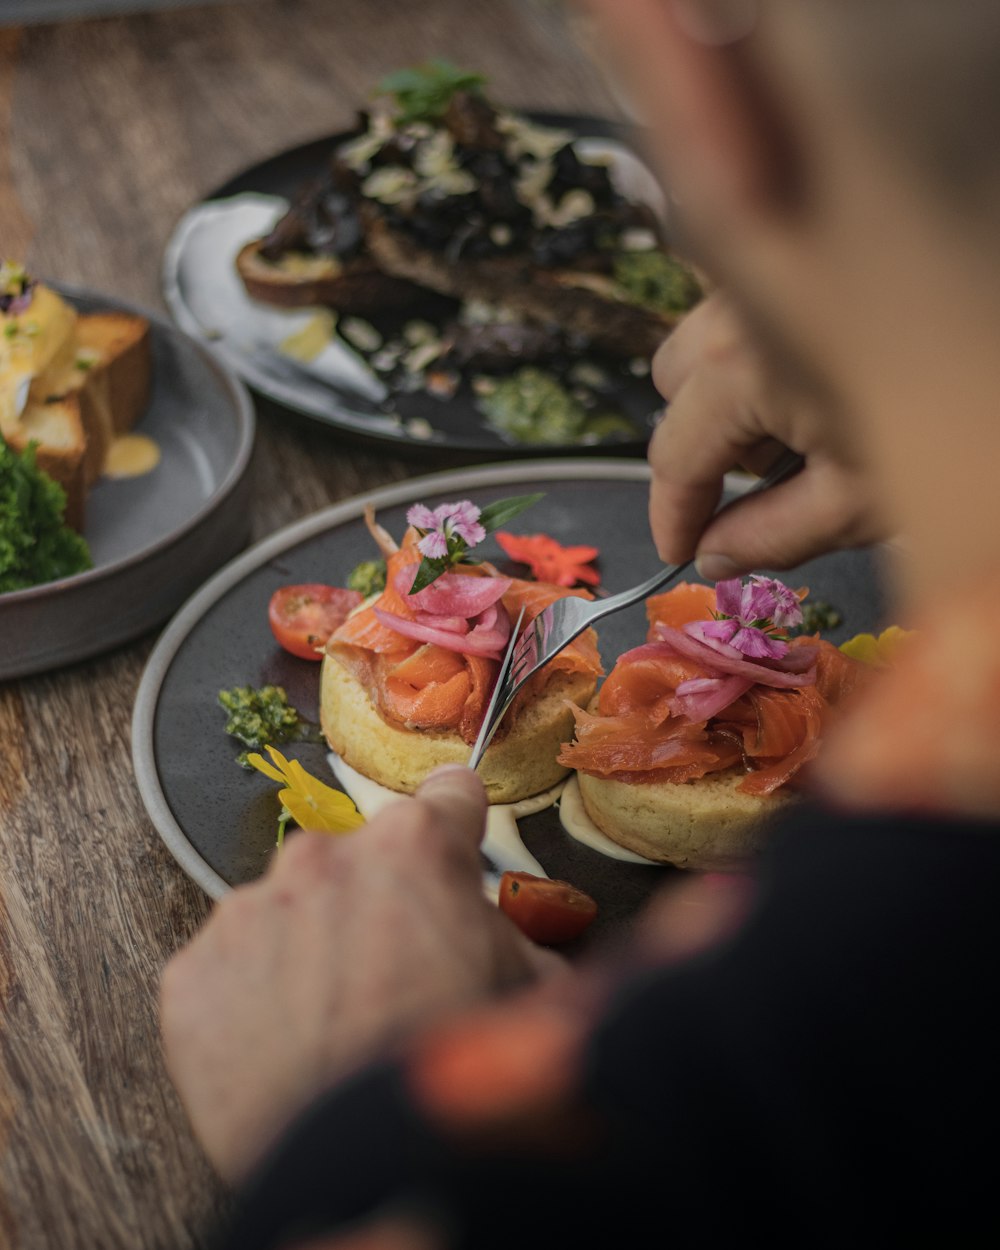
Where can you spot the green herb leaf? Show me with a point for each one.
(424, 92)
(429, 571)
(504, 510)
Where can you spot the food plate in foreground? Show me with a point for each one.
(219, 821)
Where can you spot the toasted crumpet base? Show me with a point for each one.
(521, 764)
(705, 824)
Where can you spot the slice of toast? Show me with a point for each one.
(122, 347)
(75, 415)
(581, 302)
(300, 280)
(56, 426)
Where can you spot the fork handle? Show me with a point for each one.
(789, 463)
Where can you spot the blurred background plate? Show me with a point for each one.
(219, 820)
(206, 298)
(154, 539)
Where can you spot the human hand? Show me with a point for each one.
(346, 945)
(726, 409)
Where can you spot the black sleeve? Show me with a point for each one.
(828, 1077)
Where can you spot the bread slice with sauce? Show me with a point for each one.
(75, 411)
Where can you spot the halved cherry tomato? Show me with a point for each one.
(548, 912)
(303, 617)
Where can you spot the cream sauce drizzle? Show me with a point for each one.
(574, 819)
(502, 845)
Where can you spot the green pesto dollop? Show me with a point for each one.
(656, 281)
(35, 543)
(367, 578)
(262, 716)
(818, 615)
(532, 406)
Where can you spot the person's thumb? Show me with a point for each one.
(458, 801)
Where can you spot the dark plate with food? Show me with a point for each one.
(117, 422)
(219, 820)
(448, 273)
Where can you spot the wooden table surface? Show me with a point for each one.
(109, 129)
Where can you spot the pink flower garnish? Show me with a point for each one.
(750, 617)
(448, 521)
(787, 610)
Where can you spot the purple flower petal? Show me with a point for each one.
(463, 520)
(433, 545)
(728, 596)
(722, 631)
(421, 517)
(787, 610)
(472, 534)
(758, 603)
(755, 644)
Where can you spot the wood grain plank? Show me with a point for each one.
(16, 228)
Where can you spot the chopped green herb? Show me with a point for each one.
(818, 615)
(423, 92)
(656, 281)
(258, 717)
(35, 544)
(367, 578)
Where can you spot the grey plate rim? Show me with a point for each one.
(175, 634)
(246, 422)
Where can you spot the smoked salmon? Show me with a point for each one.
(422, 684)
(675, 710)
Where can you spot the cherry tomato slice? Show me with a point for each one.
(548, 912)
(303, 617)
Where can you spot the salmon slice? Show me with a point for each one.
(683, 603)
(581, 656)
(837, 675)
(438, 705)
(364, 629)
(772, 731)
(647, 682)
(629, 748)
(427, 664)
(793, 723)
(482, 676)
(431, 687)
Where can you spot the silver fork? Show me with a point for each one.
(558, 624)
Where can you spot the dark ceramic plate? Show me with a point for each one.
(154, 539)
(206, 298)
(219, 821)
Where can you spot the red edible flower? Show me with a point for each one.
(549, 561)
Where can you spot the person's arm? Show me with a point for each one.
(791, 1082)
(725, 410)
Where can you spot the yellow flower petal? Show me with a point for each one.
(278, 758)
(879, 651)
(334, 813)
(262, 766)
(312, 803)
